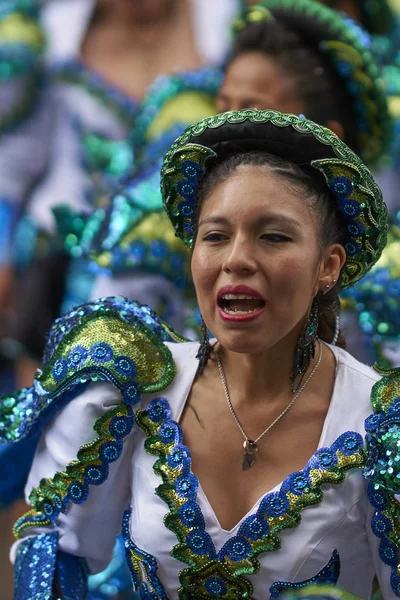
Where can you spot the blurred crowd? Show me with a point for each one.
(93, 93)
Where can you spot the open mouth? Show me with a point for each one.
(240, 304)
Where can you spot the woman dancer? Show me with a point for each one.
(229, 463)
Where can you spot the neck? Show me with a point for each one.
(253, 377)
(152, 28)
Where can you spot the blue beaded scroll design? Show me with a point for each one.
(385, 525)
(52, 496)
(376, 298)
(383, 472)
(99, 343)
(221, 574)
(39, 563)
(142, 566)
(328, 575)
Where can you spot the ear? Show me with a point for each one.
(336, 127)
(334, 259)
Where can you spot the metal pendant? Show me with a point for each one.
(250, 451)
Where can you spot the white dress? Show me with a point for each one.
(329, 539)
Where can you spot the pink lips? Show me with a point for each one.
(237, 290)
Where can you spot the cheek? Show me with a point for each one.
(205, 269)
(288, 276)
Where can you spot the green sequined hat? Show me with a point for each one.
(346, 47)
(297, 139)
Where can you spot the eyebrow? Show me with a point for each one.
(261, 221)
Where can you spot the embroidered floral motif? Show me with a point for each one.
(211, 574)
(383, 472)
(328, 575)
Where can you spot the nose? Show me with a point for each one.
(240, 258)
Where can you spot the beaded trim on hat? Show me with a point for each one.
(358, 197)
(347, 47)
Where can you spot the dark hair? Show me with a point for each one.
(310, 186)
(317, 84)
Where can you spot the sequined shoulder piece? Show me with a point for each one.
(383, 470)
(112, 339)
(383, 433)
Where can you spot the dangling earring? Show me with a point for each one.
(305, 347)
(205, 348)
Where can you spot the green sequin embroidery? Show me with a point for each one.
(209, 571)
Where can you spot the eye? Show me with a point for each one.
(275, 237)
(214, 237)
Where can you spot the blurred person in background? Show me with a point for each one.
(73, 145)
(301, 69)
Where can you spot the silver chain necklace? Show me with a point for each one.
(251, 446)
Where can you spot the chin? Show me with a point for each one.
(244, 342)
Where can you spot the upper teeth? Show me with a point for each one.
(238, 297)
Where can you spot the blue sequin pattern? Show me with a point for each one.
(144, 579)
(35, 567)
(383, 472)
(39, 563)
(328, 575)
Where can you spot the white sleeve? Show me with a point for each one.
(24, 158)
(24, 151)
(86, 530)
